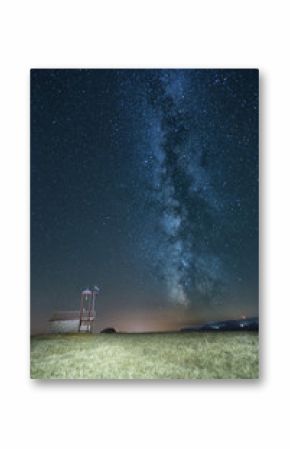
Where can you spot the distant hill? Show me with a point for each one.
(108, 330)
(249, 324)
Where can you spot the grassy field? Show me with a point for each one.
(229, 355)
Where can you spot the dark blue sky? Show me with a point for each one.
(146, 183)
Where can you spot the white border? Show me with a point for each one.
(144, 34)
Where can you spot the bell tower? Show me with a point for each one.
(87, 309)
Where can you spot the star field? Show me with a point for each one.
(145, 182)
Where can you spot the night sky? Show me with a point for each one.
(145, 183)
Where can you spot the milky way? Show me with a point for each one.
(179, 180)
(190, 134)
(146, 181)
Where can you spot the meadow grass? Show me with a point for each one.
(225, 355)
